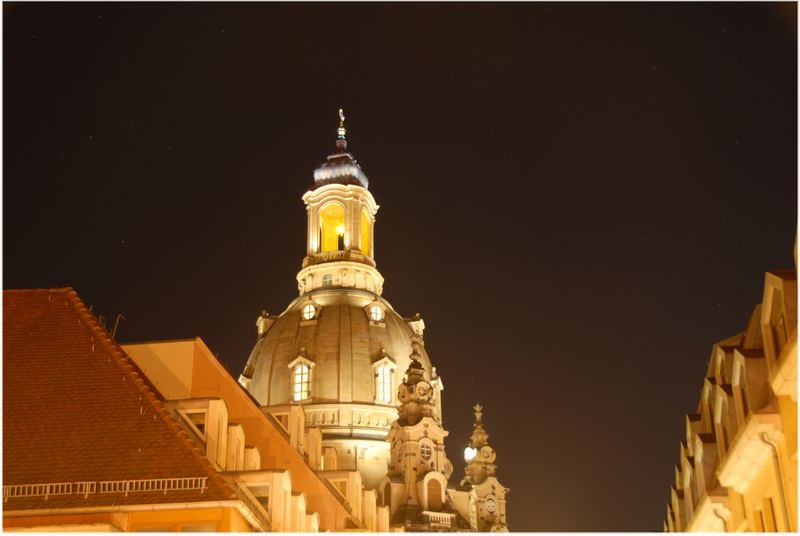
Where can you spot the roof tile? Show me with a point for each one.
(76, 408)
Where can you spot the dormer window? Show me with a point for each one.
(198, 421)
(384, 379)
(302, 382)
(309, 311)
(384, 384)
(301, 378)
(376, 312)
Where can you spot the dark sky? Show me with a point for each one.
(579, 199)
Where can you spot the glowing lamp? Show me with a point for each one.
(340, 230)
(469, 454)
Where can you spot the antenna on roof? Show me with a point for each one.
(120, 316)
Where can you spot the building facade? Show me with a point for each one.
(89, 444)
(738, 463)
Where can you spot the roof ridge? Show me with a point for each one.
(132, 371)
(18, 291)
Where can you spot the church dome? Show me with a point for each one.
(339, 350)
(341, 345)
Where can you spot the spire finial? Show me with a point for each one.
(341, 130)
(478, 413)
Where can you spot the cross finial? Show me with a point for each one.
(341, 130)
(478, 412)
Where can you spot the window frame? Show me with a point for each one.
(305, 368)
(384, 368)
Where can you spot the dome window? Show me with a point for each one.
(309, 311)
(302, 370)
(384, 378)
(302, 382)
(384, 384)
(327, 280)
(376, 313)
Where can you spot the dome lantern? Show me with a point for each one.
(340, 246)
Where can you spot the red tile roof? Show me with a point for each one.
(77, 409)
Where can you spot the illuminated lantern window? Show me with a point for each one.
(376, 313)
(366, 234)
(425, 451)
(331, 227)
(309, 311)
(384, 384)
(301, 382)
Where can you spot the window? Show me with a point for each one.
(309, 311)
(302, 382)
(327, 280)
(198, 420)
(384, 384)
(425, 451)
(376, 313)
(331, 227)
(366, 234)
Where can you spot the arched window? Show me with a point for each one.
(331, 227)
(383, 384)
(366, 234)
(301, 382)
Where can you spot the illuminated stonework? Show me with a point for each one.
(738, 464)
(339, 351)
(344, 327)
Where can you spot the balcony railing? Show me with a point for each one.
(157, 484)
(440, 519)
(107, 486)
(333, 256)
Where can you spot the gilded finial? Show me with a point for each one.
(341, 130)
(478, 413)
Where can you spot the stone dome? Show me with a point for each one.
(341, 342)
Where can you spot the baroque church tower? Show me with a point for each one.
(487, 497)
(330, 368)
(415, 485)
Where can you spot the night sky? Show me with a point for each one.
(578, 199)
